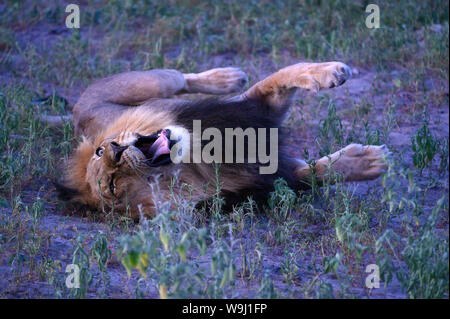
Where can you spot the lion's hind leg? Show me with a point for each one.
(354, 162)
(277, 90)
(215, 81)
(136, 87)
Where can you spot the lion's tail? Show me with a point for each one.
(55, 120)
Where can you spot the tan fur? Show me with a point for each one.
(279, 88)
(91, 175)
(353, 163)
(118, 108)
(216, 81)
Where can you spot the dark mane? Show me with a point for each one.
(244, 114)
(226, 114)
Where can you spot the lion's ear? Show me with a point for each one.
(66, 193)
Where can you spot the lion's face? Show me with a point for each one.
(123, 157)
(114, 171)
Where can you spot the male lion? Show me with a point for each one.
(129, 121)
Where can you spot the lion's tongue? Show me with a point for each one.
(160, 146)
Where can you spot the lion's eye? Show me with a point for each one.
(99, 151)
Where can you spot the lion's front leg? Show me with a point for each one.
(278, 89)
(354, 162)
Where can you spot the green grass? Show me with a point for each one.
(303, 245)
(425, 146)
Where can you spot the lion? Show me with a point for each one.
(129, 124)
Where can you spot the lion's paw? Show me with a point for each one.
(363, 162)
(332, 74)
(223, 80)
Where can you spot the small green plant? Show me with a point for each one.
(325, 291)
(289, 265)
(101, 253)
(81, 259)
(52, 270)
(217, 200)
(281, 201)
(251, 261)
(424, 145)
(373, 136)
(160, 251)
(443, 156)
(331, 132)
(267, 289)
(350, 226)
(425, 255)
(335, 265)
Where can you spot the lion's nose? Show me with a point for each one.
(117, 150)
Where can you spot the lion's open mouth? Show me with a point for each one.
(156, 148)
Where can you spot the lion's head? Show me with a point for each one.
(113, 169)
